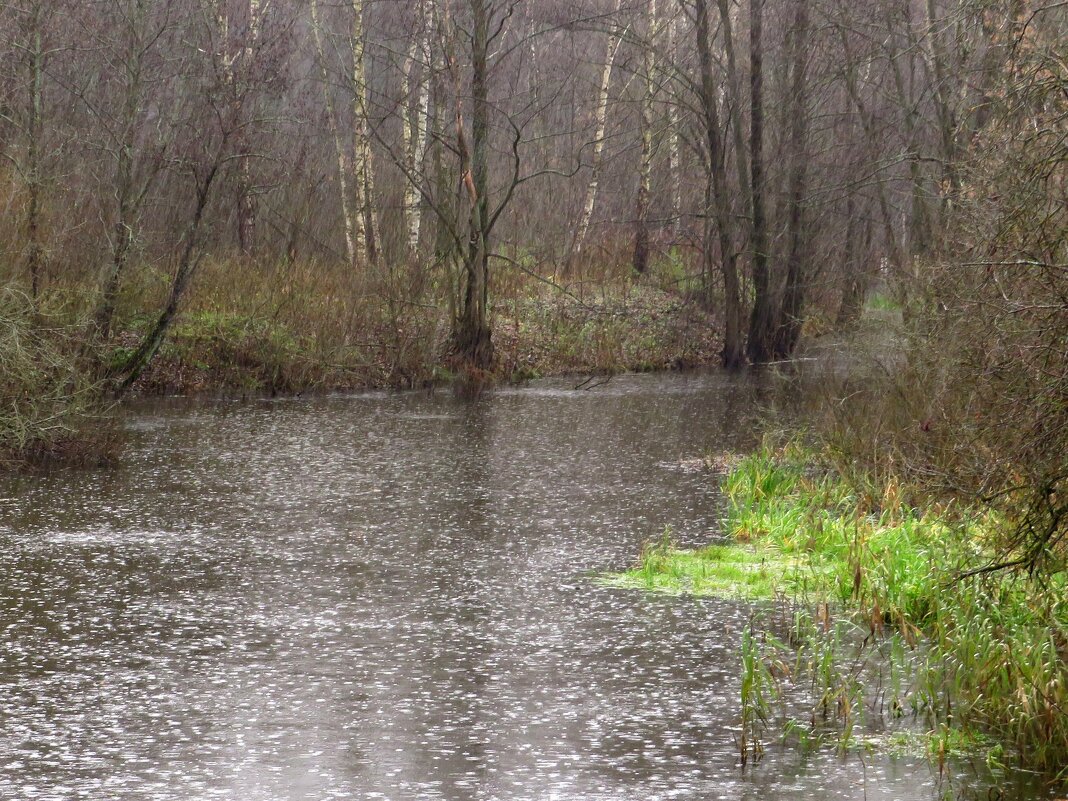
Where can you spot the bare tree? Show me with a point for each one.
(718, 212)
(793, 299)
(762, 322)
(355, 241)
(414, 122)
(208, 147)
(31, 53)
(136, 150)
(645, 162)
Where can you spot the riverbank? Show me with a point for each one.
(994, 645)
(248, 328)
(539, 331)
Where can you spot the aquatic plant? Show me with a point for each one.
(759, 692)
(993, 646)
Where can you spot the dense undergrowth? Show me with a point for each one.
(51, 408)
(989, 650)
(251, 328)
(308, 328)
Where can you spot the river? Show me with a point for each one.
(390, 596)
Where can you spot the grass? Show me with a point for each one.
(249, 327)
(722, 570)
(881, 302)
(986, 654)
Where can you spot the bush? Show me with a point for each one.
(50, 406)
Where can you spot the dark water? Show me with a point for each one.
(389, 597)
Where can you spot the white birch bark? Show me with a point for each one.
(674, 167)
(601, 118)
(415, 126)
(353, 245)
(362, 168)
(246, 202)
(222, 54)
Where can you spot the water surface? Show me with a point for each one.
(389, 596)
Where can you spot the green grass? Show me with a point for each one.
(720, 571)
(723, 570)
(994, 646)
(880, 302)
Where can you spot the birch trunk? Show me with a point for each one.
(362, 168)
(674, 166)
(601, 118)
(415, 127)
(353, 244)
(246, 208)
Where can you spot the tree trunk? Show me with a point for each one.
(187, 264)
(718, 203)
(362, 166)
(645, 168)
(793, 301)
(762, 321)
(414, 126)
(897, 255)
(674, 161)
(947, 121)
(473, 336)
(735, 92)
(354, 243)
(856, 276)
(246, 201)
(601, 120)
(35, 247)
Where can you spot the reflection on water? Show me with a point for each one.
(387, 596)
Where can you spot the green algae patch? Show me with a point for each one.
(725, 571)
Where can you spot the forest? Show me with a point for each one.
(277, 198)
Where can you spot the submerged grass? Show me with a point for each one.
(990, 651)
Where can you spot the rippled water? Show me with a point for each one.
(388, 596)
